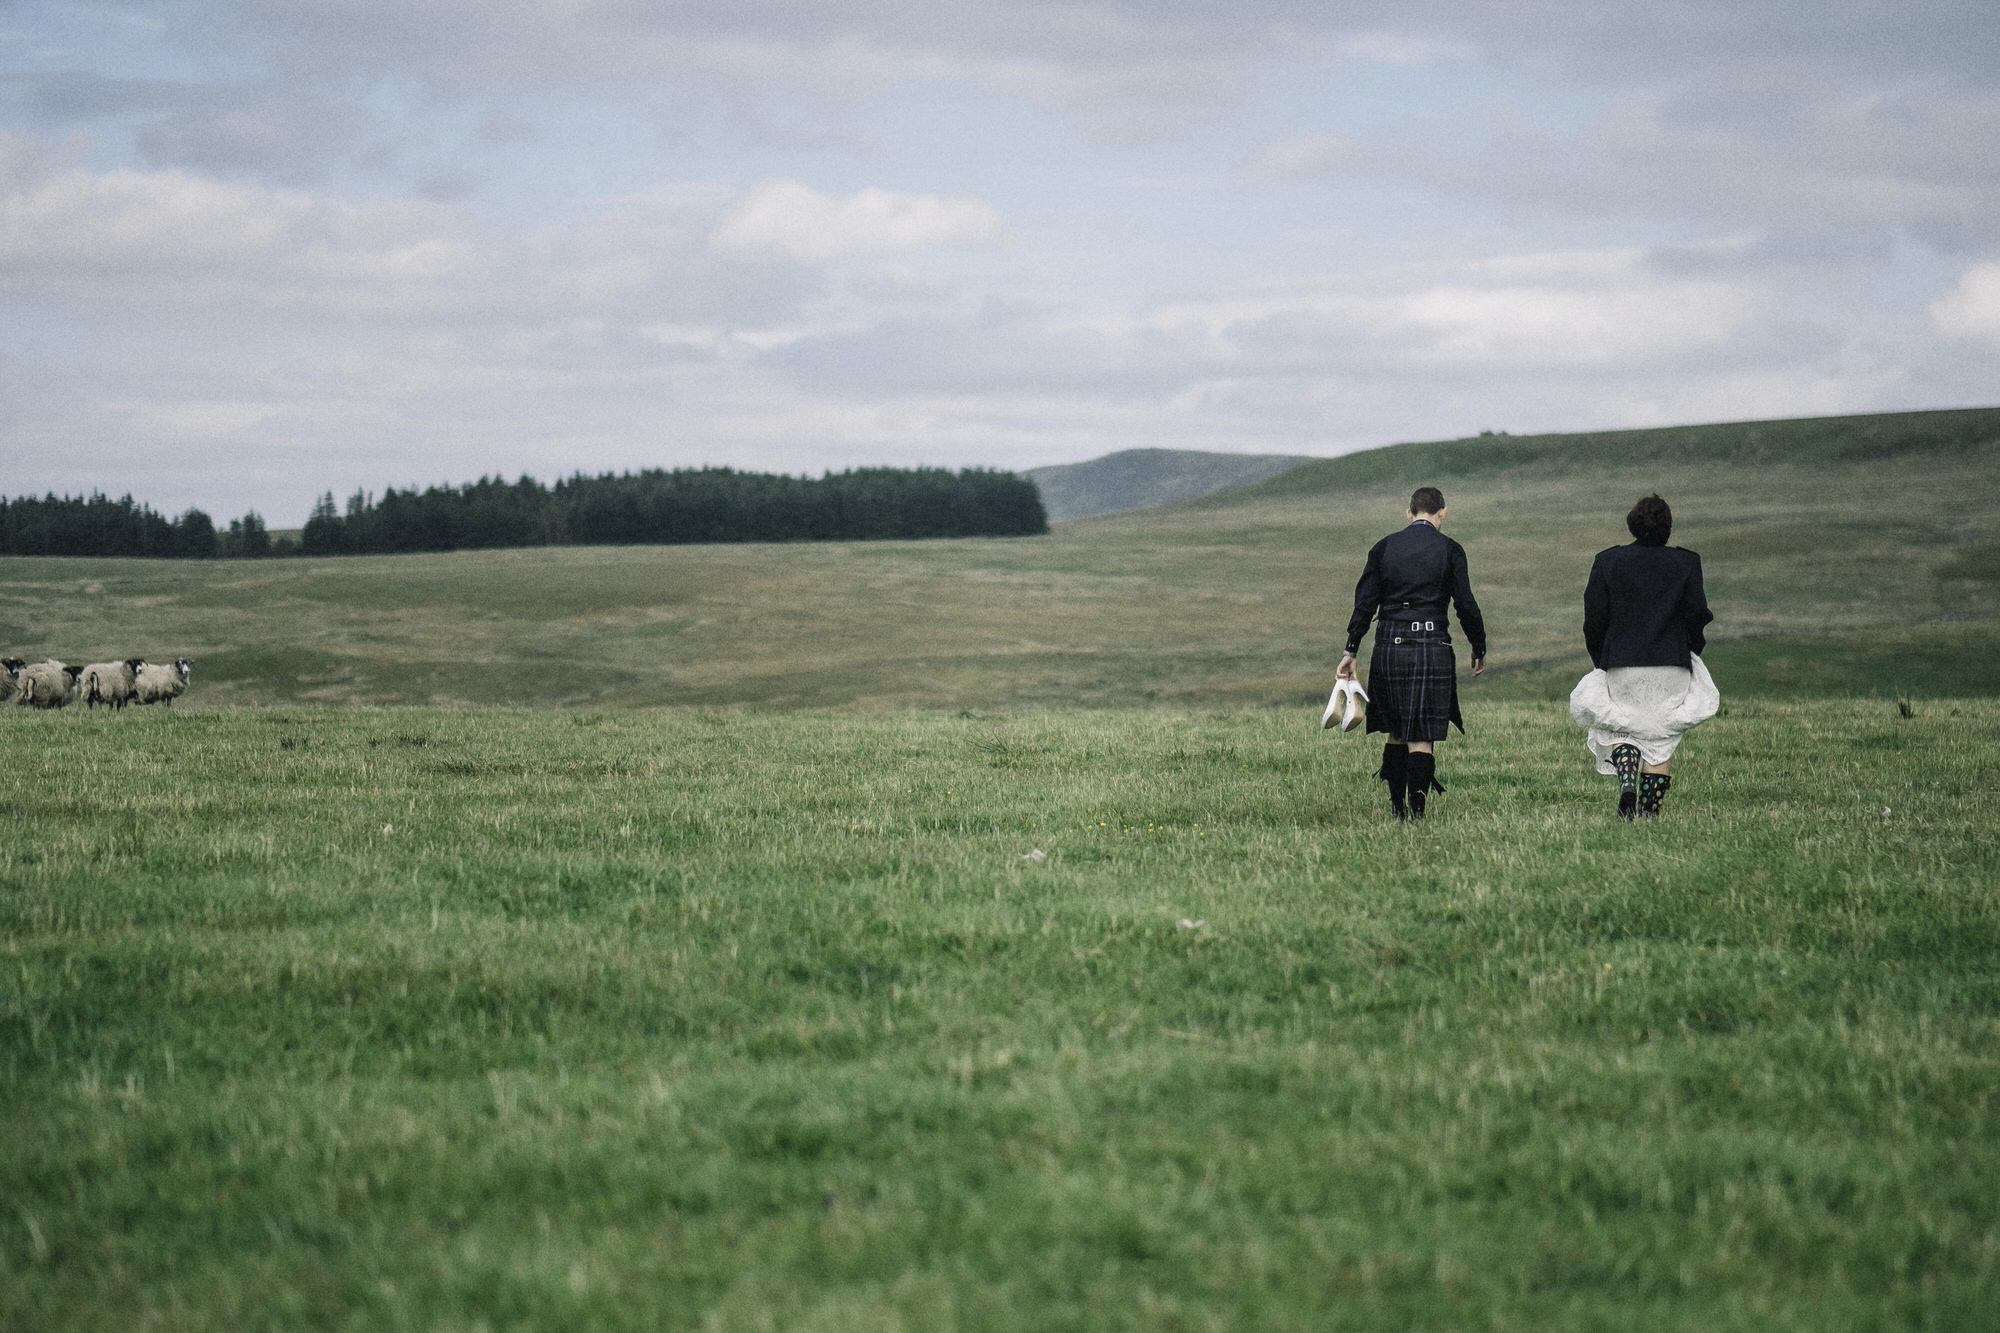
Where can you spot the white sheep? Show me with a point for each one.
(48, 685)
(111, 683)
(158, 683)
(10, 677)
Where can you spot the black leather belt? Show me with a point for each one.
(1412, 629)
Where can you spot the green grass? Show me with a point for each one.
(452, 1020)
(1851, 555)
(753, 1013)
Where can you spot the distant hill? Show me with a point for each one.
(1872, 450)
(1142, 478)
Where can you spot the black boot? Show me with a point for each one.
(1423, 777)
(1394, 771)
(1625, 758)
(1652, 790)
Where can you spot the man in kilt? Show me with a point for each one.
(1412, 679)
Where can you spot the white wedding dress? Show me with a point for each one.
(1644, 706)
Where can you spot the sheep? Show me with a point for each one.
(110, 683)
(48, 685)
(10, 677)
(158, 683)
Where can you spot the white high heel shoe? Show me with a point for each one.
(1348, 702)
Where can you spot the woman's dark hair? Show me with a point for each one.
(1651, 521)
(1426, 500)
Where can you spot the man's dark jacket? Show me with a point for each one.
(1644, 606)
(1411, 575)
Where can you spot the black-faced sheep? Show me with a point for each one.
(158, 683)
(10, 677)
(48, 685)
(111, 683)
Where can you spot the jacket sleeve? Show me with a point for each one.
(1596, 612)
(1367, 597)
(1469, 618)
(1695, 614)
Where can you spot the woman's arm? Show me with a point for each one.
(1596, 611)
(1694, 609)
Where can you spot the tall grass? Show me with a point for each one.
(436, 1019)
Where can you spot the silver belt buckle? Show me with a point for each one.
(1430, 625)
(1416, 625)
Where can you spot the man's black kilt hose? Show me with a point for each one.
(1413, 680)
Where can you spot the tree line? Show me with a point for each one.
(657, 506)
(96, 524)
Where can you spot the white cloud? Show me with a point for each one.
(1562, 310)
(204, 421)
(160, 242)
(1395, 48)
(786, 219)
(1308, 153)
(1630, 322)
(1971, 310)
(144, 217)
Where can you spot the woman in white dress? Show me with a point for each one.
(1644, 617)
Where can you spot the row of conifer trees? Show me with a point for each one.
(683, 505)
(99, 525)
(656, 506)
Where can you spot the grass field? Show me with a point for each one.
(988, 941)
(452, 1020)
(1853, 555)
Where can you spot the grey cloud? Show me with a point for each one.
(461, 43)
(262, 129)
(446, 186)
(266, 133)
(1003, 347)
(1813, 167)
(1863, 97)
(1807, 246)
(82, 95)
(1733, 115)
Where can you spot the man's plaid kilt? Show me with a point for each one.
(1413, 682)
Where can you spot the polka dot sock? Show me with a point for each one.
(1652, 790)
(1625, 759)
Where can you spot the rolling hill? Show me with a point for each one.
(1142, 478)
(1844, 555)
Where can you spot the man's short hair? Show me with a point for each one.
(1426, 500)
(1651, 521)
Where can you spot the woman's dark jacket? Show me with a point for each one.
(1411, 575)
(1644, 606)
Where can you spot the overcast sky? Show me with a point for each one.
(251, 250)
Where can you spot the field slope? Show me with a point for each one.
(454, 1020)
(1844, 555)
(1141, 478)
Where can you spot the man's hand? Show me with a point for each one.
(1345, 671)
(1478, 666)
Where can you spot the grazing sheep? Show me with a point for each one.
(10, 677)
(111, 683)
(158, 683)
(48, 685)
